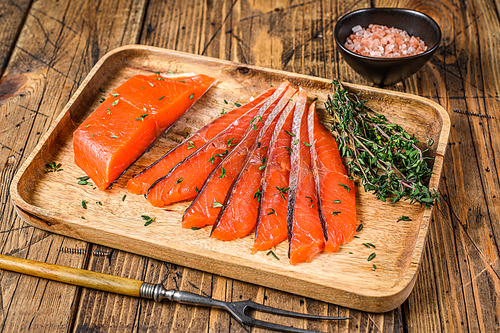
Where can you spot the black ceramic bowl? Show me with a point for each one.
(387, 71)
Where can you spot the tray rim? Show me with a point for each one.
(384, 299)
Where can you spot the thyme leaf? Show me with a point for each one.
(382, 154)
(148, 219)
(272, 253)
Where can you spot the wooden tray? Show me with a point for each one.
(52, 201)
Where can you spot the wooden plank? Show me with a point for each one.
(57, 46)
(458, 286)
(13, 14)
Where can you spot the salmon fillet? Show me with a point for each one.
(305, 232)
(130, 120)
(271, 227)
(337, 200)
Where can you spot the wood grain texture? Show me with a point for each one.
(58, 44)
(457, 288)
(458, 291)
(13, 15)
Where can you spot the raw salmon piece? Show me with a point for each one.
(121, 128)
(271, 227)
(107, 142)
(337, 200)
(140, 183)
(305, 232)
(238, 217)
(185, 180)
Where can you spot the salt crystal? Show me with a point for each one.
(356, 28)
(384, 42)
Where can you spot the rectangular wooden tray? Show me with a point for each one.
(52, 201)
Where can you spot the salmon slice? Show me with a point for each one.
(337, 200)
(140, 183)
(185, 180)
(238, 216)
(305, 231)
(125, 125)
(271, 227)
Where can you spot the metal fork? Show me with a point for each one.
(237, 309)
(157, 292)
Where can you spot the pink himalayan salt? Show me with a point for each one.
(383, 42)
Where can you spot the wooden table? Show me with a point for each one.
(47, 48)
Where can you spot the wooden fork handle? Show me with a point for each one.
(75, 276)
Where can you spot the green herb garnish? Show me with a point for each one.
(142, 117)
(195, 228)
(337, 201)
(258, 194)
(124, 196)
(223, 174)
(217, 205)
(190, 144)
(360, 227)
(271, 212)
(237, 104)
(336, 213)
(307, 144)
(371, 256)
(272, 253)
(53, 167)
(84, 204)
(282, 191)
(115, 102)
(403, 218)
(346, 187)
(148, 219)
(310, 201)
(191, 96)
(385, 157)
(83, 180)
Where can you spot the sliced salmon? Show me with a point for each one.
(271, 228)
(238, 216)
(207, 204)
(130, 120)
(185, 180)
(140, 183)
(305, 232)
(337, 199)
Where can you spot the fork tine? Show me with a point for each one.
(265, 308)
(265, 324)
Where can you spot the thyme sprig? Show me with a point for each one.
(385, 157)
